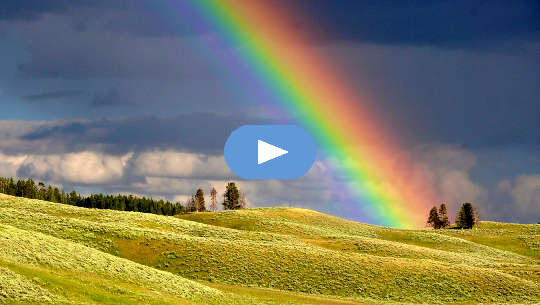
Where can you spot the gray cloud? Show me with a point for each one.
(153, 160)
(111, 97)
(449, 170)
(120, 54)
(440, 23)
(525, 194)
(429, 94)
(175, 175)
(167, 174)
(52, 95)
(202, 133)
(425, 94)
(460, 73)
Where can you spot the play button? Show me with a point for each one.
(270, 151)
(267, 152)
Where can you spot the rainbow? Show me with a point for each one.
(310, 89)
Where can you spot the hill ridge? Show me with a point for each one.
(254, 248)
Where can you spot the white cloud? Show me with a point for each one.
(175, 175)
(180, 164)
(82, 167)
(10, 164)
(168, 186)
(435, 172)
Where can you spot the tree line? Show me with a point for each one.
(467, 217)
(233, 198)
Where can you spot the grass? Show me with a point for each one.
(518, 238)
(258, 256)
(285, 297)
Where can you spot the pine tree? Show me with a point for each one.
(28, 188)
(443, 216)
(433, 218)
(213, 200)
(231, 196)
(466, 218)
(199, 201)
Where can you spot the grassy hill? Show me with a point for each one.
(54, 253)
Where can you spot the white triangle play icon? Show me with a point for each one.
(267, 152)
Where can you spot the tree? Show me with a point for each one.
(199, 201)
(242, 200)
(213, 200)
(190, 204)
(231, 196)
(29, 189)
(466, 217)
(433, 218)
(443, 216)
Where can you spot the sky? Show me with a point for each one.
(108, 96)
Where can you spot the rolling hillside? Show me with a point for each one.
(58, 254)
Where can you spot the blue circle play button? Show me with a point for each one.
(270, 151)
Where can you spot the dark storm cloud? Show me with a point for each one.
(437, 22)
(133, 17)
(134, 39)
(30, 9)
(463, 74)
(200, 133)
(426, 94)
(440, 23)
(91, 50)
(108, 98)
(59, 94)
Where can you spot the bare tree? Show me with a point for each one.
(196, 204)
(213, 200)
(190, 204)
(476, 215)
(242, 200)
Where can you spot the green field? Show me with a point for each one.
(58, 254)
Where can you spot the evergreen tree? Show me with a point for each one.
(466, 218)
(12, 187)
(63, 197)
(231, 196)
(20, 188)
(73, 198)
(199, 199)
(29, 189)
(42, 191)
(49, 196)
(56, 195)
(433, 218)
(443, 216)
(213, 200)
